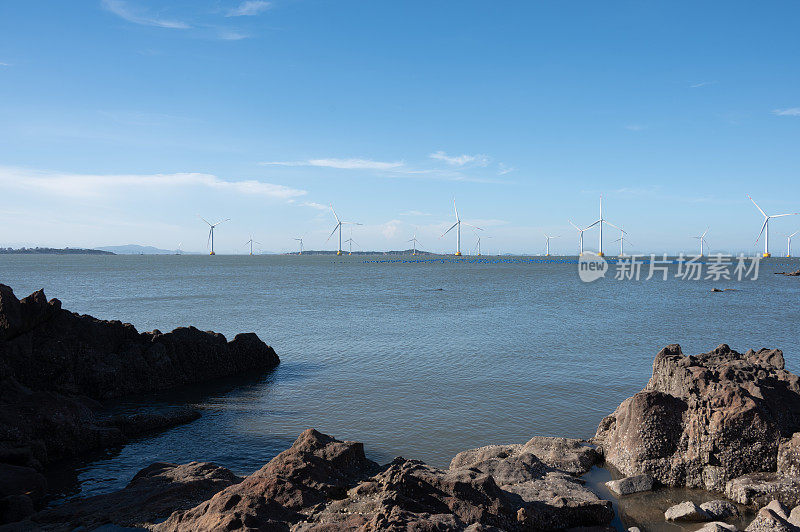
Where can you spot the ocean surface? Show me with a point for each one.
(415, 359)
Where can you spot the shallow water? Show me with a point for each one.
(415, 359)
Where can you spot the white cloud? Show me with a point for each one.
(634, 127)
(346, 164)
(314, 205)
(415, 213)
(5, 64)
(232, 35)
(93, 185)
(703, 84)
(791, 111)
(249, 8)
(123, 10)
(460, 160)
(504, 169)
(390, 229)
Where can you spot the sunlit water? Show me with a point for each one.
(421, 360)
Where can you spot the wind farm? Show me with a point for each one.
(765, 227)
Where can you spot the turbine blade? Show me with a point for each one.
(787, 214)
(451, 227)
(206, 221)
(597, 222)
(762, 228)
(473, 226)
(334, 213)
(757, 207)
(334, 231)
(456, 209)
(614, 226)
(573, 225)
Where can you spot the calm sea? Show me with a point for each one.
(421, 360)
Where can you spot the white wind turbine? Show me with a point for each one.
(414, 243)
(622, 241)
(765, 227)
(351, 242)
(600, 223)
(580, 236)
(789, 243)
(478, 243)
(251, 242)
(703, 241)
(211, 232)
(457, 225)
(338, 226)
(300, 239)
(547, 244)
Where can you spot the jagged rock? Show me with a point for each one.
(314, 469)
(572, 456)
(323, 484)
(794, 516)
(45, 347)
(772, 518)
(706, 419)
(686, 511)
(153, 494)
(720, 509)
(628, 485)
(757, 489)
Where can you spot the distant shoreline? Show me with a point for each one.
(53, 251)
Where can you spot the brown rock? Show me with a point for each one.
(703, 420)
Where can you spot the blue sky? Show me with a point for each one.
(122, 120)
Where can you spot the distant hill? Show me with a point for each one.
(135, 249)
(54, 251)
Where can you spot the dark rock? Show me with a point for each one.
(14, 508)
(316, 468)
(153, 421)
(795, 273)
(720, 509)
(706, 419)
(686, 511)
(629, 485)
(757, 489)
(47, 348)
(152, 495)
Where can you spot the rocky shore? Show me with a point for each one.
(725, 422)
(56, 365)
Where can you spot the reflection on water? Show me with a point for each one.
(420, 360)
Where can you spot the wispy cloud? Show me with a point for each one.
(136, 16)
(460, 160)
(5, 64)
(703, 84)
(415, 213)
(345, 164)
(634, 127)
(232, 35)
(249, 8)
(504, 169)
(314, 205)
(94, 185)
(790, 111)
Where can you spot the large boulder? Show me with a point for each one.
(48, 348)
(782, 485)
(704, 420)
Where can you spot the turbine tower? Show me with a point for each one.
(703, 242)
(457, 225)
(580, 236)
(211, 232)
(300, 239)
(351, 242)
(547, 244)
(338, 226)
(622, 241)
(414, 243)
(789, 243)
(251, 242)
(600, 223)
(765, 227)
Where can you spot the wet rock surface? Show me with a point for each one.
(628, 485)
(686, 511)
(704, 420)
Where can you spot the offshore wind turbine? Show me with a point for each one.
(457, 225)
(789, 243)
(211, 232)
(547, 244)
(580, 236)
(622, 241)
(351, 242)
(338, 226)
(765, 227)
(702, 239)
(300, 239)
(414, 243)
(251, 242)
(600, 223)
